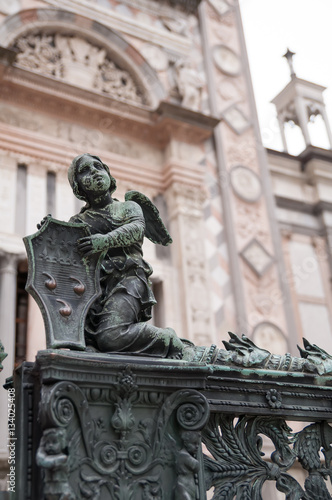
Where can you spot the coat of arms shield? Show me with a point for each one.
(63, 282)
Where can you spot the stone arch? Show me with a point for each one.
(125, 57)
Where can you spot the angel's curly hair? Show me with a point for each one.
(73, 171)
(60, 434)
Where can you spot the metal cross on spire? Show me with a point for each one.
(289, 56)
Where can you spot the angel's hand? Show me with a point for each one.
(42, 222)
(93, 244)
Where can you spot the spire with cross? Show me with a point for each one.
(289, 56)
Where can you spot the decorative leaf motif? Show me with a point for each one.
(307, 446)
(315, 488)
(239, 470)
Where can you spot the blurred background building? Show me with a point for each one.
(161, 91)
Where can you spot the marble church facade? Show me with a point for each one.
(161, 91)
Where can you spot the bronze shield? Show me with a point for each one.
(63, 282)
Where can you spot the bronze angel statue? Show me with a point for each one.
(117, 321)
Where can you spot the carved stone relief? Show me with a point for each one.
(186, 203)
(251, 222)
(241, 151)
(186, 200)
(229, 90)
(78, 62)
(215, 16)
(179, 26)
(155, 56)
(189, 83)
(83, 138)
(257, 257)
(270, 337)
(236, 119)
(197, 277)
(221, 6)
(264, 300)
(9, 7)
(245, 183)
(19, 118)
(226, 60)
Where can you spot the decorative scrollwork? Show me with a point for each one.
(64, 411)
(238, 460)
(62, 403)
(139, 456)
(190, 415)
(105, 457)
(238, 470)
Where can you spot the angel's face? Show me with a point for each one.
(91, 176)
(52, 444)
(191, 446)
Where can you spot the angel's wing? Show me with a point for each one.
(155, 229)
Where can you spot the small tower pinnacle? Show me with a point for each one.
(299, 103)
(289, 56)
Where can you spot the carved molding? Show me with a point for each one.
(83, 138)
(129, 25)
(185, 200)
(246, 183)
(257, 257)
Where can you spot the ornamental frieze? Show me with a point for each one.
(78, 62)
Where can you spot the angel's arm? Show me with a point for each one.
(133, 227)
(130, 232)
(50, 461)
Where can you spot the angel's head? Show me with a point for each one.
(191, 441)
(88, 175)
(54, 441)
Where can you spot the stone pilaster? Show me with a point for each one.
(187, 227)
(256, 263)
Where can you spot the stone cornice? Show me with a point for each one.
(283, 154)
(157, 126)
(128, 26)
(60, 153)
(314, 153)
(226, 388)
(302, 206)
(186, 5)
